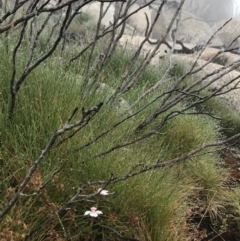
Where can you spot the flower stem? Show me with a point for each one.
(90, 229)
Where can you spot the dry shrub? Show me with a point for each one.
(8, 235)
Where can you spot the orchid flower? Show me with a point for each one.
(93, 213)
(103, 192)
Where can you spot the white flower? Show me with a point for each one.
(93, 213)
(102, 192)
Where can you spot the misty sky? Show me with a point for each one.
(237, 10)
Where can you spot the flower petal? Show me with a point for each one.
(87, 213)
(103, 192)
(93, 214)
(99, 212)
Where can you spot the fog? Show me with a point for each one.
(236, 8)
(211, 11)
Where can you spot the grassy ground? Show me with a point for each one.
(152, 206)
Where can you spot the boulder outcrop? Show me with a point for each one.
(138, 19)
(189, 30)
(229, 81)
(229, 33)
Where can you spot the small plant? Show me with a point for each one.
(222, 60)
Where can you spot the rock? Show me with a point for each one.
(232, 98)
(138, 20)
(133, 42)
(229, 33)
(224, 59)
(122, 105)
(190, 30)
(93, 10)
(164, 49)
(209, 53)
(195, 20)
